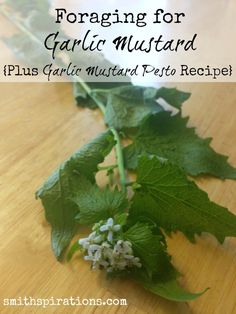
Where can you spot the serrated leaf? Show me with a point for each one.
(96, 204)
(157, 274)
(58, 192)
(172, 96)
(100, 90)
(82, 98)
(127, 106)
(151, 251)
(171, 290)
(169, 137)
(173, 202)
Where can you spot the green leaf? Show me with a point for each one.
(121, 219)
(96, 204)
(157, 274)
(82, 98)
(172, 96)
(151, 251)
(173, 202)
(59, 191)
(171, 290)
(168, 137)
(100, 90)
(127, 106)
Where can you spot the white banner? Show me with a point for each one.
(112, 41)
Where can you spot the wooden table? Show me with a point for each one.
(40, 127)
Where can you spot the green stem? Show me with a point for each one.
(88, 90)
(119, 153)
(16, 23)
(120, 159)
(34, 38)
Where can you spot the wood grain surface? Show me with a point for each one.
(40, 126)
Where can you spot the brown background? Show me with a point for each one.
(40, 126)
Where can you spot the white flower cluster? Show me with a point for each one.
(106, 251)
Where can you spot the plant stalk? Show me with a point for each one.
(88, 90)
(119, 153)
(120, 159)
(16, 23)
(91, 95)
